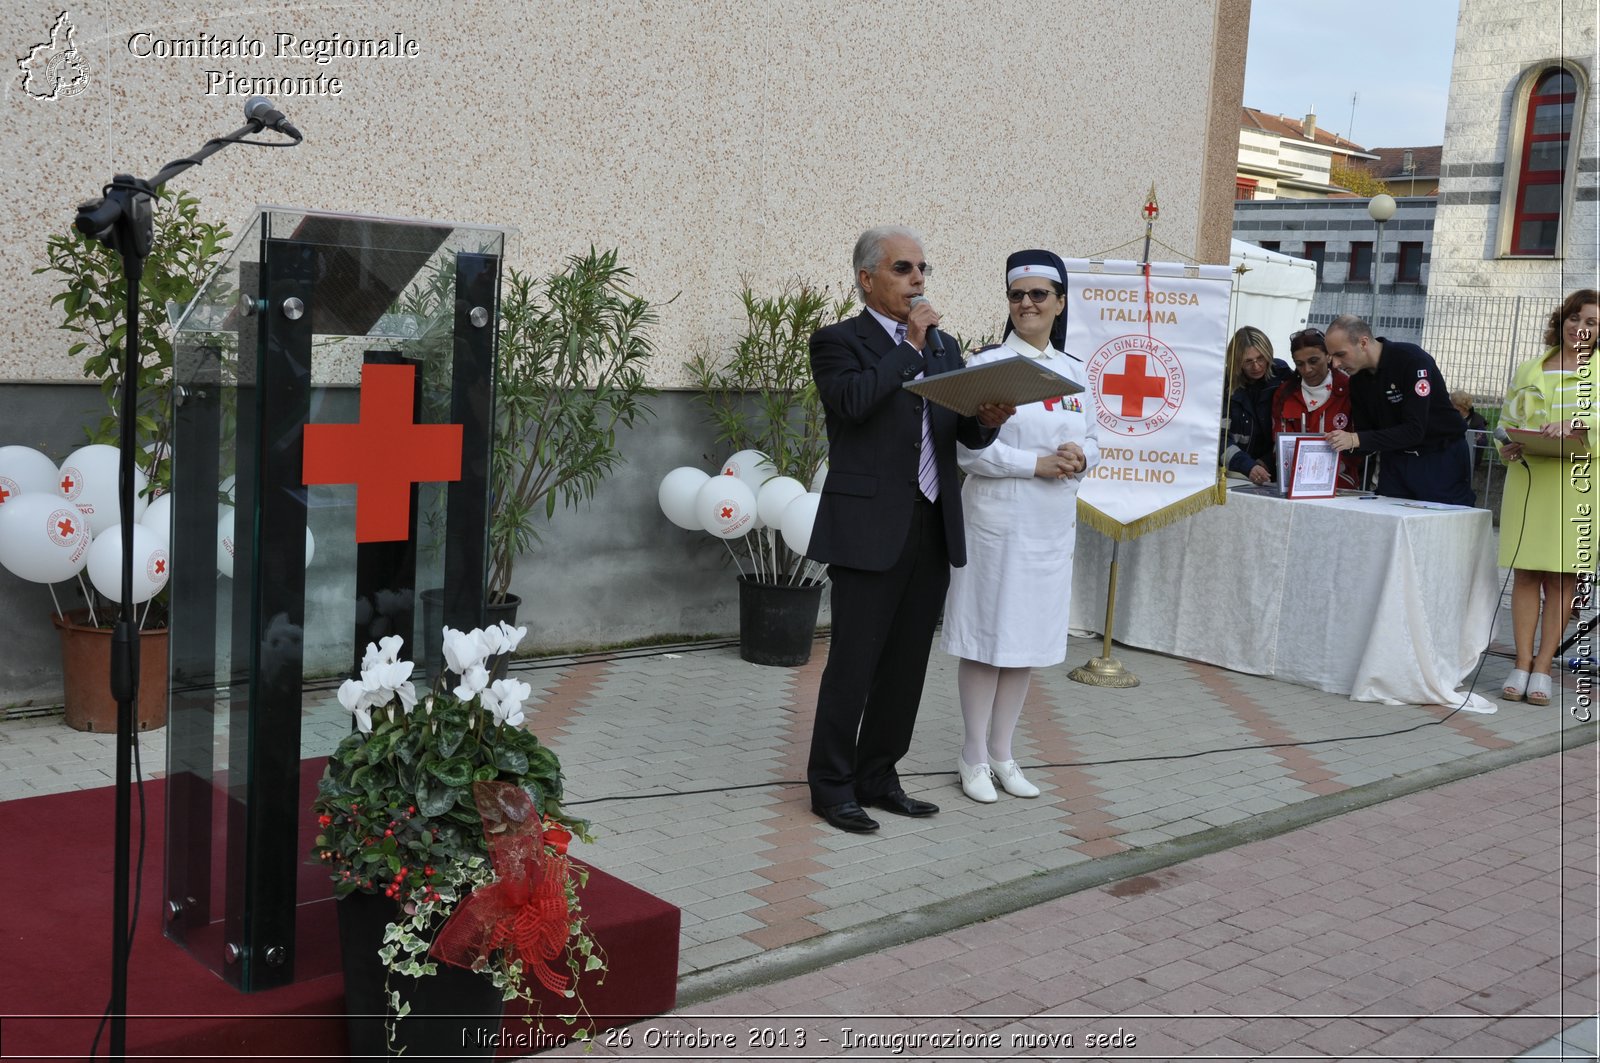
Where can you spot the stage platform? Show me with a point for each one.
(54, 967)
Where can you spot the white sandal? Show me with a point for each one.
(1516, 685)
(1539, 685)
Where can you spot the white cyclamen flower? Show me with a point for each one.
(473, 681)
(385, 651)
(491, 639)
(463, 650)
(507, 697)
(351, 696)
(511, 636)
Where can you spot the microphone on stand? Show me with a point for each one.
(932, 336)
(259, 110)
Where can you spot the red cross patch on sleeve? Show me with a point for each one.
(1422, 388)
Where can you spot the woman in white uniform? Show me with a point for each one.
(1006, 612)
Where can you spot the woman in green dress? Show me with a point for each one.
(1547, 512)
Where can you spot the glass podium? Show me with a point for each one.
(330, 474)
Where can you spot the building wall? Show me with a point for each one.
(1497, 41)
(1336, 223)
(709, 142)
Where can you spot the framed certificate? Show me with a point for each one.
(1285, 455)
(1315, 472)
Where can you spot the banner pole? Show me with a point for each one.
(1106, 670)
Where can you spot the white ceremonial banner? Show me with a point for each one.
(1155, 352)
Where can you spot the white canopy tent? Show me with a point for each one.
(1273, 293)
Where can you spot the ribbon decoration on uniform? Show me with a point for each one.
(524, 911)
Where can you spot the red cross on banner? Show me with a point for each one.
(384, 454)
(1133, 385)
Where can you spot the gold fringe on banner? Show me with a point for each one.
(1112, 528)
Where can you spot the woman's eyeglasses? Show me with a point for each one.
(903, 267)
(1038, 295)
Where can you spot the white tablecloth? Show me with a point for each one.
(1383, 600)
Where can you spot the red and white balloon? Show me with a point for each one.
(42, 538)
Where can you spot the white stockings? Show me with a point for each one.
(991, 704)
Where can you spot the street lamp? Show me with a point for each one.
(1380, 208)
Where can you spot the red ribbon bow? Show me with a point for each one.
(524, 911)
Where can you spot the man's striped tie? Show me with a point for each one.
(927, 470)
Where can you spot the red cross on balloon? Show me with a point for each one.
(65, 527)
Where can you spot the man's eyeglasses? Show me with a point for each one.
(1038, 295)
(903, 267)
(1307, 337)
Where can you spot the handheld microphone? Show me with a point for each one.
(1504, 439)
(259, 109)
(932, 337)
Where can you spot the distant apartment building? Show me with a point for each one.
(1341, 238)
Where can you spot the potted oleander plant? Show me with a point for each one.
(761, 398)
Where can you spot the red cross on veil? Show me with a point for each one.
(384, 454)
(1133, 385)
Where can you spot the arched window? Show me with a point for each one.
(1541, 163)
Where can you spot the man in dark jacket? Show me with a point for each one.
(889, 526)
(1400, 409)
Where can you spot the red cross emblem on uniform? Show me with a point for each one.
(1133, 385)
(65, 527)
(384, 454)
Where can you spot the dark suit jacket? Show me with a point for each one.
(875, 445)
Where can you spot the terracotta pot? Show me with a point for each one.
(86, 675)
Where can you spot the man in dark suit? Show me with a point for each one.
(889, 526)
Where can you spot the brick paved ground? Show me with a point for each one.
(767, 889)
(1454, 923)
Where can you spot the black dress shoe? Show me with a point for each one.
(897, 802)
(847, 816)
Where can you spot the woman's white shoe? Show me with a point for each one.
(975, 782)
(1010, 777)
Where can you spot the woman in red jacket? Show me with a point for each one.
(1318, 401)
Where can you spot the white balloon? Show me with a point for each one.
(799, 517)
(150, 565)
(24, 470)
(820, 477)
(89, 481)
(158, 517)
(775, 496)
(751, 466)
(676, 496)
(42, 538)
(225, 542)
(727, 507)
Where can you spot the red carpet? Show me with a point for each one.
(55, 950)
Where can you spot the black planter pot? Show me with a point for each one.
(777, 621)
(433, 626)
(455, 1014)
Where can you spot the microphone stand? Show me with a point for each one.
(123, 220)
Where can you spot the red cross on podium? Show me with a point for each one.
(1134, 385)
(384, 454)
